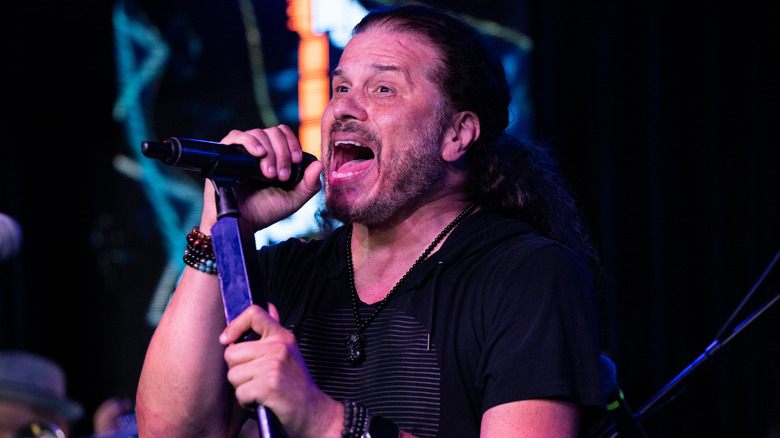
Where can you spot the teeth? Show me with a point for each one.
(346, 142)
(347, 155)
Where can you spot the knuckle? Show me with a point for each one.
(254, 311)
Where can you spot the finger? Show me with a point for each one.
(249, 388)
(258, 360)
(258, 144)
(264, 147)
(273, 312)
(254, 144)
(250, 392)
(253, 318)
(242, 362)
(296, 150)
(282, 145)
(311, 183)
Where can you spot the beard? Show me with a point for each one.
(405, 181)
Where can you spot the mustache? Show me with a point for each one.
(354, 128)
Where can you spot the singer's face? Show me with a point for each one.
(382, 129)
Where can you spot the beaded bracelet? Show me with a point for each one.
(200, 252)
(355, 421)
(358, 423)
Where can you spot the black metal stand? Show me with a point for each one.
(720, 341)
(234, 250)
(234, 243)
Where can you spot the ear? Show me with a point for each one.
(462, 132)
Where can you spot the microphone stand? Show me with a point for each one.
(709, 352)
(232, 237)
(236, 256)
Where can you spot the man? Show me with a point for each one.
(437, 310)
(33, 399)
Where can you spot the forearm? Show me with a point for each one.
(183, 389)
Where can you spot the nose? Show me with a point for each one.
(349, 106)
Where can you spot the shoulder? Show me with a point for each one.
(512, 248)
(294, 246)
(293, 256)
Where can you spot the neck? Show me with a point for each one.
(417, 228)
(381, 256)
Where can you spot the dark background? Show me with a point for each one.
(664, 116)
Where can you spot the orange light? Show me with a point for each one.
(313, 54)
(313, 81)
(309, 134)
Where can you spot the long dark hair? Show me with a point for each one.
(514, 177)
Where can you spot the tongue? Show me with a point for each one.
(355, 165)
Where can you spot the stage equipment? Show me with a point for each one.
(633, 424)
(233, 239)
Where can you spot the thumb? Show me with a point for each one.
(311, 183)
(273, 312)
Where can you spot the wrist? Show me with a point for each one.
(324, 419)
(209, 215)
(360, 423)
(206, 224)
(200, 252)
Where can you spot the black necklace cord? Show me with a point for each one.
(355, 342)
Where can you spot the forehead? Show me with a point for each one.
(389, 50)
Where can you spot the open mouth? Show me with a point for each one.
(350, 157)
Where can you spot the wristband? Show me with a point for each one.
(200, 252)
(355, 421)
(358, 423)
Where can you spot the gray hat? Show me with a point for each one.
(36, 381)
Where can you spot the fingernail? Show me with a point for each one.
(284, 172)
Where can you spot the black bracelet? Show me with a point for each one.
(355, 421)
(358, 423)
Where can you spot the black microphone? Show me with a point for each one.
(219, 161)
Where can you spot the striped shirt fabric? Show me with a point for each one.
(399, 378)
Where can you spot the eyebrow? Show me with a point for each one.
(377, 67)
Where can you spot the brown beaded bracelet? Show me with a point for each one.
(200, 252)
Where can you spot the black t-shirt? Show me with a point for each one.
(498, 314)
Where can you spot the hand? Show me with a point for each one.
(106, 417)
(278, 150)
(271, 372)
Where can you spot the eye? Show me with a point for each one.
(384, 89)
(340, 88)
